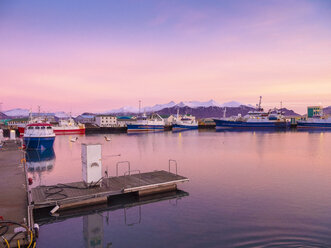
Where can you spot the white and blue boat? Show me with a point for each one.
(39, 136)
(256, 119)
(186, 122)
(315, 123)
(154, 123)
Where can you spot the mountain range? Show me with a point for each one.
(19, 113)
(158, 107)
(199, 109)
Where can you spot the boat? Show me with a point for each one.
(185, 122)
(39, 136)
(69, 127)
(31, 119)
(255, 119)
(154, 123)
(315, 123)
(64, 127)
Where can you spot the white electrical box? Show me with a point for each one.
(91, 163)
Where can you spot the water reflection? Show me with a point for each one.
(93, 231)
(97, 220)
(247, 189)
(39, 162)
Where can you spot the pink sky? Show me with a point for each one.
(280, 51)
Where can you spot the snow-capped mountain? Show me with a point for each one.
(129, 109)
(17, 112)
(232, 104)
(61, 114)
(158, 107)
(197, 104)
(125, 109)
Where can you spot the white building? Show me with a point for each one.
(106, 121)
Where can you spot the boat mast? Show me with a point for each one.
(139, 106)
(224, 112)
(260, 102)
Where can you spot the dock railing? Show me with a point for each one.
(122, 162)
(172, 162)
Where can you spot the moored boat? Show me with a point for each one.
(154, 123)
(39, 136)
(255, 119)
(315, 123)
(69, 127)
(184, 123)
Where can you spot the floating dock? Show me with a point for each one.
(79, 194)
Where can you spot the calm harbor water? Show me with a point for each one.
(246, 189)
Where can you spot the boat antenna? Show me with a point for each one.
(139, 106)
(224, 112)
(260, 102)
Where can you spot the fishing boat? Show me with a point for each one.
(255, 119)
(69, 127)
(184, 123)
(31, 119)
(154, 123)
(315, 123)
(39, 136)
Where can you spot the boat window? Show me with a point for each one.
(30, 127)
(42, 127)
(37, 128)
(49, 127)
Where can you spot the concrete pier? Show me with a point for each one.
(13, 188)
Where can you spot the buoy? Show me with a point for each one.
(30, 180)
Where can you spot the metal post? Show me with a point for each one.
(122, 162)
(174, 162)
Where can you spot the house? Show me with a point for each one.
(314, 111)
(106, 121)
(19, 122)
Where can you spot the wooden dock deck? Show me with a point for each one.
(77, 194)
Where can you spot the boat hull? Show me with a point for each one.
(313, 125)
(178, 127)
(145, 128)
(69, 131)
(59, 131)
(225, 124)
(39, 143)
